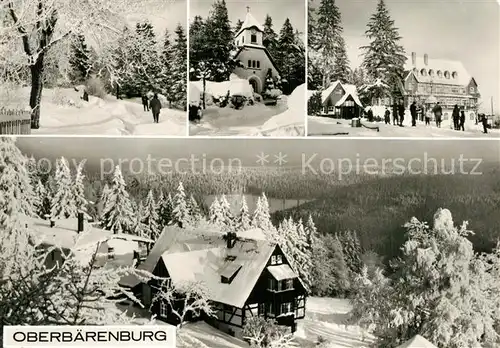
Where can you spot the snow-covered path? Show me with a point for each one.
(324, 126)
(64, 113)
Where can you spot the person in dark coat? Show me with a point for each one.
(401, 110)
(456, 117)
(155, 106)
(370, 115)
(413, 112)
(484, 120)
(438, 113)
(145, 103)
(462, 120)
(387, 116)
(395, 114)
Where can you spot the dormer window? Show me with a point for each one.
(440, 73)
(454, 74)
(423, 72)
(253, 38)
(447, 74)
(276, 260)
(415, 71)
(431, 73)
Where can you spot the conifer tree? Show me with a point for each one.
(237, 26)
(243, 222)
(167, 55)
(63, 203)
(227, 215)
(179, 68)
(80, 60)
(42, 203)
(215, 215)
(194, 210)
(103, 200)
(261, 217)
(341, 70)
(180, 214)
(315, 104)
(166, 209)
(384, 57)
(118, 213)
(138, 226)
(352, 250)
(15, 186)
(150, 218)
(81, 201)
(269, 37)
(291, 60)
(149, 67)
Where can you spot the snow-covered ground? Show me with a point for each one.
(284, 119)
(63, 112)
(325, 126)
(325, 318)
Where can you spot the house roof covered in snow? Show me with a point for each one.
(350, 90)
(417, 342)
(250, 22)
(439, 71)
(247, 259)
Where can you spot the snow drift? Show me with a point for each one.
(219, 89)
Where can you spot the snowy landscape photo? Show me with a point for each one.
(280, 243)
(93, 68)
(391, 68)
(247, 68)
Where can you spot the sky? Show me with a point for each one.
(465, 30)
(165, 14)
(279, 10)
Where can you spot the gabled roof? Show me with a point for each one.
(462, 79)
(349, 90)
(175, 240)
(207, 266)
(417, 342)
(250, 22)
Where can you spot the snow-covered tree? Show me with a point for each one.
(291, 60)
(269, 37)
(179, 68)
(185, 299)
(243, 221)
(103, 201)
(167, 54)
(261, 217)
(33, 31)
(384, 57)
(304, 255)
(194, 210)
(80, 59)
(118, 214)
(81, 201)
(165, 210)
(352, 250)
(180, 214)
(16, 191)
(225, 209)
(63, 203)
(266, 333)
(215, 215)
(149, 217)
(42, 203)
(315, 104)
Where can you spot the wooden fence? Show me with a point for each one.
(15, 121)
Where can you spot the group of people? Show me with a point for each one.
(154, 105)
(458, 118)
(398, 115)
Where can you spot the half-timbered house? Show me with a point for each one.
(244, 276)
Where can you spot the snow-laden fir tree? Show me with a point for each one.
(147, 75)
(118, 213)
(215, 215)
(352, 250)
(81, 201)
(80, 59)
(227, 215)
(32, 168)
(150, 217)
(305, 254)
(180, 214)
(243, 221)
(165, 210)
(16, 191)
(269, 37)
(291, 58)
(384, 57)
(42, 203)
(167, 54)
(194, 210)
(237, 26)
(63, 203)
(103, 200)
(261, 217)
(179, 68)
(139, 228)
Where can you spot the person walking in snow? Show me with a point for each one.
(462, 121)
(395, 114)
(438, 112)
(401, 113)
(456, 117)
(387, 116)
(155, 107)
(484, 121)
(145, 102)
(413, 112)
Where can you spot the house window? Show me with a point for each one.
(253, 64)
(423, 72)
(262, 308)
(270, 284)
(243, 39)
(258, 64)
(253, 38)
(163, 310)
(111, 253)
(270, 308)
(249, 63)
(279, 259)
(287, 284)
(286, 307)
(331, 109)
(472, 89)
(280, 287)
(273, 260)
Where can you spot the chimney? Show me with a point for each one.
(230, 239)
(414, 58)
(426, 59)
(80, 222)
